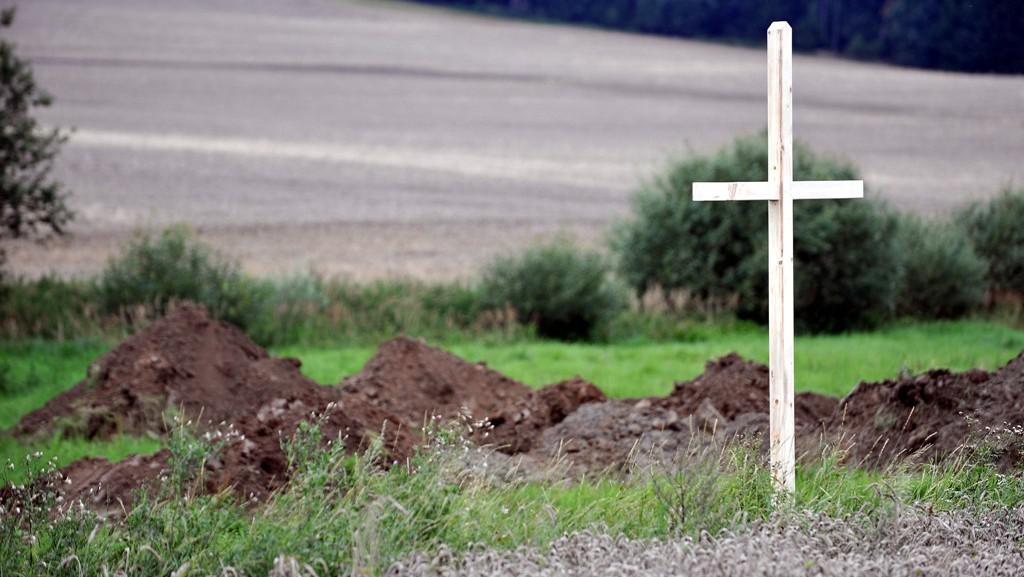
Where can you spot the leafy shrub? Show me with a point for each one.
(154, 272)
(996, 229)
(566, 293)
(659, 247)
(942, 275)
(846, 268)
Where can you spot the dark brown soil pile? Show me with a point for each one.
(518, 426)
(186, 362)
(412, 382)
(932, 415)
(253, 465)
(735, 386)
(107, 488)
(213, 374)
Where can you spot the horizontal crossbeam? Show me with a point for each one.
(802, 190)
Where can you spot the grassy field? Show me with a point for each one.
(828, 364)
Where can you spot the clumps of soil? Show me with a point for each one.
(211, 374)
(933, 415)
(107, 488)
(516, 428)
(728, 400)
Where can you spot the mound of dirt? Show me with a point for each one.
(213, 374)
(412, 382)
(186, 361)
(930, 416)
(729, 399)
(735, 386)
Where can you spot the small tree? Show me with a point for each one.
(31, 202)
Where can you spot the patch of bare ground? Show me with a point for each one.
(912, 543)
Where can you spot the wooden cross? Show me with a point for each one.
(780, 191)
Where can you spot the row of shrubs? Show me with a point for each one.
(858, 264)
(154, 273)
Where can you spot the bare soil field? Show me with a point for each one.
(384, 139)
(912, 543)
(211, 373)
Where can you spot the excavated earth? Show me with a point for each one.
(211, 374)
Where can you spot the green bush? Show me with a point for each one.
(846, 270)
(565, 292)
(151, 273)
(996, 229)
(943, 277)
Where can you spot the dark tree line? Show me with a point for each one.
(968, 35)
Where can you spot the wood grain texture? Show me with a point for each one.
(801, 190)
(780, 191)
(782, 454)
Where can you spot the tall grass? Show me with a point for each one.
(300, 309)
(344, 514)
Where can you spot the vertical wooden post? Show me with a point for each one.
(780, 191)
(780, 255)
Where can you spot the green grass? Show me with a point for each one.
(829, 364)
(67, 451)
(32, 372)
